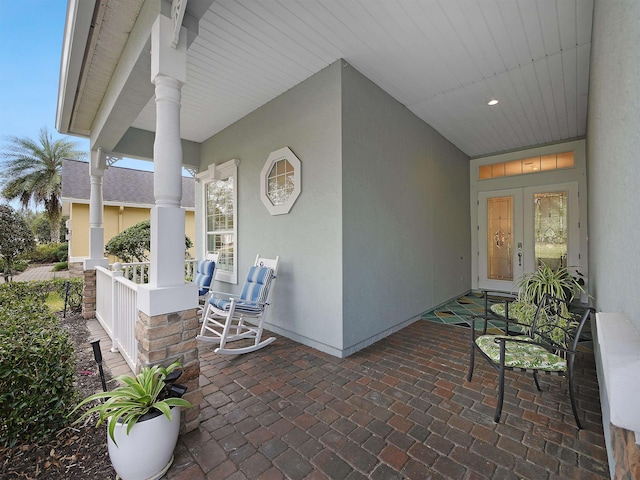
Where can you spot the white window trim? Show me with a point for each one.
(284, 153)
(222, 171)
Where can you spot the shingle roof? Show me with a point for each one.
(120, 185)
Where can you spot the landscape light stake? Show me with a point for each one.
(66, 298)
(97, 354)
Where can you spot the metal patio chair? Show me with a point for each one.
(549, 345)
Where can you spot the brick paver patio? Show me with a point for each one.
(401, 408)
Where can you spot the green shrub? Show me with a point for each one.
(20, 265)
(16, 239)
(48, 253)
(37, 366)
(60, 266)
(25, 291)
(17, 266)
(62, 253)
(134, 243)
(74, 295)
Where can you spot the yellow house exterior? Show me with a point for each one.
(127, 194)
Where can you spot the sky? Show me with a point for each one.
(31, 34)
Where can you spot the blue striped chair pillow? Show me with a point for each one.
(204, 274)
(256, 287)
(254, 292)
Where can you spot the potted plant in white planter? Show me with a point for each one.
(533, 286)
(143, 417)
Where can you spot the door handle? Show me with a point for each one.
(519, 259)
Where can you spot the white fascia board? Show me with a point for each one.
(76, 35)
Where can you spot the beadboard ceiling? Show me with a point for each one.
(442, 59)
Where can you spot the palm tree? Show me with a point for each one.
(32, 171)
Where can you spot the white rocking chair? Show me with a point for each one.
(228, 318)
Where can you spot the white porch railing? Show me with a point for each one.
(117, 303)
(125, 315)
(104, 299)
(138, 272)
(117, 311)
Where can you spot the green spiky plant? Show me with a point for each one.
(533, 286)
(545, 280)
(138, 396)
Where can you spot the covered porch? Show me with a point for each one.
(385, 105)
(401, 408)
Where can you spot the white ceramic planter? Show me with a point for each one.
(146, 453)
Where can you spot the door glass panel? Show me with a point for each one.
(499, 238)
(551, 229)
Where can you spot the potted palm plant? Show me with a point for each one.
(143, 418)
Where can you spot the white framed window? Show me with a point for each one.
(280, 181)
(220, 196)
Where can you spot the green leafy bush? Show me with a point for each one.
(18, 265)
(134, 243)
(49, 253)
(23, 291)
(60, 266)
(74, 294)
(37, 366)
(15, 238)
(63, 252)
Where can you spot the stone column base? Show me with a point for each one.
(626, 453)
(164, 339)
(76, 269)
(89, 294)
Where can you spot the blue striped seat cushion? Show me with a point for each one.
(254, 292)
(241, 306)
(204, 275)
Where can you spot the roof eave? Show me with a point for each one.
(77, 31)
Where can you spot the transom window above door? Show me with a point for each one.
(542, 163)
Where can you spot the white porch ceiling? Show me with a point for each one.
(443, 59)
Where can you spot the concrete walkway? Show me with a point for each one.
(39, 272)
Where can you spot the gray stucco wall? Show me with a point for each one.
(380, 232)
(307, 303)
(613, 149)
(613, 157)
(406, 233)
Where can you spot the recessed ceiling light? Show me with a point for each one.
(492, 102)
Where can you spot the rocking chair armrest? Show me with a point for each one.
(224, 295)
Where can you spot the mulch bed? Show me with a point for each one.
(78, 451)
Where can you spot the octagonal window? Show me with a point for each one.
(280, 181)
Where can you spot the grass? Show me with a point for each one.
(55, 302)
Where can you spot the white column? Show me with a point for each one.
(167, 218)
(96, 214)
(167, 291)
